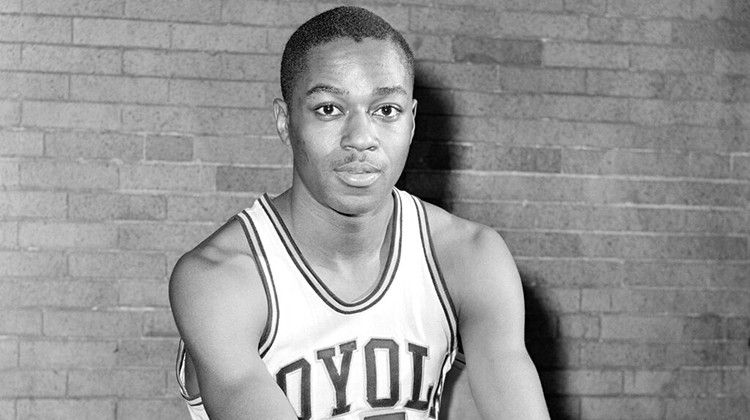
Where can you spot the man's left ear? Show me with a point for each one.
(281, 114)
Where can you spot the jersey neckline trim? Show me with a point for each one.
(315, 282)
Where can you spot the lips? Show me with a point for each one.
(357, 174)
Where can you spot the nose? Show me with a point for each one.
(359, 133)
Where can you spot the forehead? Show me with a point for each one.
(365, 64)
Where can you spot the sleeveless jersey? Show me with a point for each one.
(382, 357)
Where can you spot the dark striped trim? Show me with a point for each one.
(336, 303)
(264, 269)
(192, 400)
(437, 276)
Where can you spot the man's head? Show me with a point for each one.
(342, 22)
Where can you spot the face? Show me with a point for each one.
(350, 123)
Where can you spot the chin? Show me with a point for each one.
(360, 203)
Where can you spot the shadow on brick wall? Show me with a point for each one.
(434, 154)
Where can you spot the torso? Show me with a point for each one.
(385, 353)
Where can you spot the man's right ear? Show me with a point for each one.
(281, 114)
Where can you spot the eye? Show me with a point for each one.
(388, 112)
(328, 110)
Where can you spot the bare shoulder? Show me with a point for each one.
(475, 261)
(216, 281)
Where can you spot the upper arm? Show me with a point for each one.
(219, 305)
(486, 288)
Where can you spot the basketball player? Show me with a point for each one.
(342, 297)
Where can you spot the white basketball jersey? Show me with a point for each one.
(382, 357)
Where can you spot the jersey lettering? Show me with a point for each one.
(393, 372)
(281, 379)
(339, 378)
(418, 355)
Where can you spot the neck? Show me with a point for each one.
(347, 239)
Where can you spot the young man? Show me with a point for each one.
(343, 297)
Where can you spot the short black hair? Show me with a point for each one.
(342, 22)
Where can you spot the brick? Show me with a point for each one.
(735, 383)
(68, 175)
(93, 324)
(647, 9)
(641, 328)
(35, 204)
(587, 382)
(711, 34)
(120, 264)
(658, 112)
(51, 235)
(20, 143)
(10, 6)
(71, 115)
(591, 7)
(33, 86)
(606, 408)
(9, 174)
(160, 323)
(676, 192)
(172, 236)
(542, 80)
(94, 145)
(607, 162)
(698, 408)
(704, 327)
(213, 208)
(143, 293)
(538, 25)
(21, 322)
(141, 90)
(716, 140)
(585, 55)
(125, 33)
(24, 293)
(174, 10)
(630, 30)
(274, 14)
(671, 59)
(66, 59)
(198, 120)
(169, 177)
(92, 207)
(424, 46)
(732, 62)
(278, 37)
(628, 354)
(32, 383)
(8, 235)
(668, 274)
(497, 51)
(41, 29)
(231, 38)
(523, 159)
(169, 148)
(579, 326)
(68, 353)
(478, 77)
(63, 409)
(218, 93)
(8, 353)
(221, 66)
(620, 83)
(456, 21)
(709, 165)
(75, 7)
(438, 155)
(23, 263)
(705, 354)
(147, 352)
(649, 382)
(715, 10)
(696, 86)
(115, 383)
(395, 14)
(455, 128)
(11, 54)
(741, 167)
(585, 108)
(544, 272)
(10, 113)
(258, 180)
(730, 276)
(242, 150)
(131, 409)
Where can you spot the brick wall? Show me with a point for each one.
(608, 141)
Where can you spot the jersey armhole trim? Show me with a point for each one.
(438, 280)
(264, 269)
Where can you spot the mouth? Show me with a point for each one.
(358, 174)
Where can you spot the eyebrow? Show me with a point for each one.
(381, 91)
